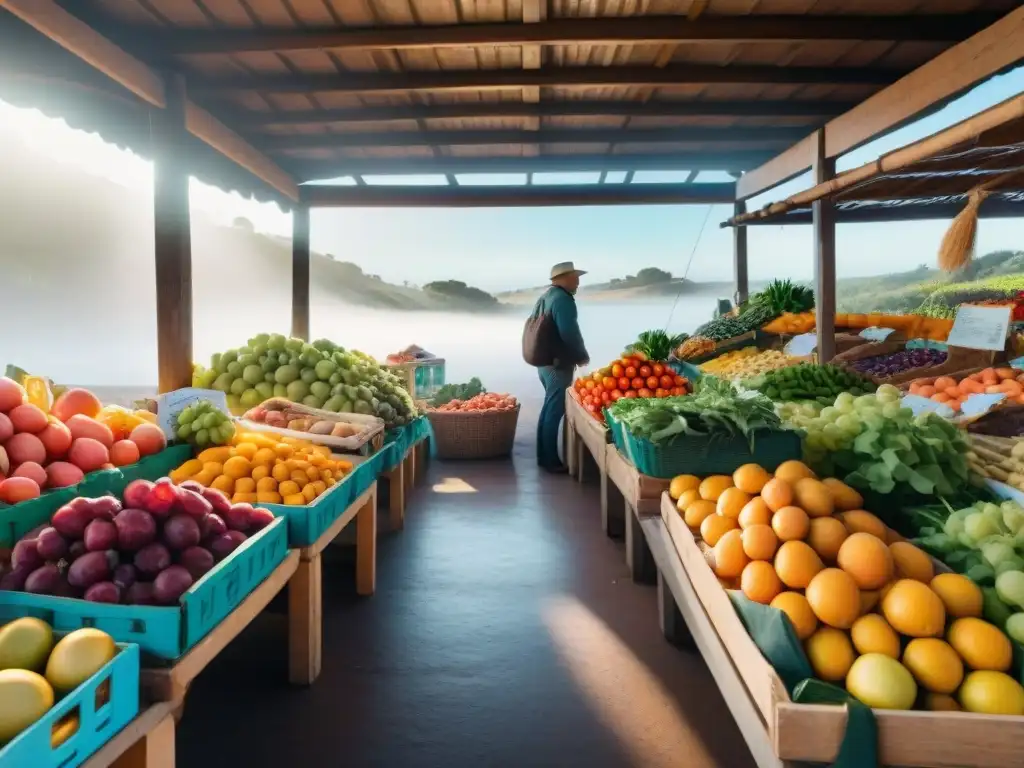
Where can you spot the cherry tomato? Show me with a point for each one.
(598, 391)
(645, 371)
(652, 382)
(658, 369)
(606, 398)
(680, 381)
(667, 381)
(677, 391)
(630, 395)
(659, 392)
(591, 407)
(645, 392)
(616, 395)
(626, 361)
(588, 400)
(630, 371)
(608, 382)
(623, 383)
(590, 384)
(637, 383)
(618, 369)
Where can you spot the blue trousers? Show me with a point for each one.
(555, 381)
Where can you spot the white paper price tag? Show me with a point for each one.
(920, 405)
(874, 333)
(980, 327)
(170, 405)
(975, 405)
(802, 345)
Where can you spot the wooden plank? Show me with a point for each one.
(146, 742)
(396, 496)
(300, 272)
(952, 72)
(82, 40)
(172, 240)
(497, 79)
(570, 436)
(642, 493)
(638, 556)
(613, 504)
(261, 121)
(709, 643)
(740, 270)
(646, 30)
(366, 546)
(346, 517)
(824, 223)
(881, 214)
(305, 622)
(172, 683)
(710, 136)
(388, 196)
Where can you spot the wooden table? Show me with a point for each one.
(401, 479)
(586, 438)
(626, 498)
(305, 596)
(146, 742)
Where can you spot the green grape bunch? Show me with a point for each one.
(203, 424)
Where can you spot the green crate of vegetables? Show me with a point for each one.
(713, 431)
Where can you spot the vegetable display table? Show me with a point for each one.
(305, 596)
(627, 496)
(585, 446)
(411, 449)
(146, 742)
(171, 683)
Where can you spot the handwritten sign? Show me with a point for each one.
(975, 405)
(802, 345)
(980, 327)
(920, 405)
(170, 405)
(874, 333)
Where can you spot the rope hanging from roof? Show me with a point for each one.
(957, 247)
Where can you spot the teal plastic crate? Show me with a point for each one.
(308, 522)
(166, 631)
(398, 441)
(615, 431)
(99, 718)
(695, 455)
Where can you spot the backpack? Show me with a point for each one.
(541, 342)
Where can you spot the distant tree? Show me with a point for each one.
(651, 276)
(459, 290)
(241, 222)
(616, 281)
(350, 267)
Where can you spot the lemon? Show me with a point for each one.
(881, 682)
(961, 596)
(872, 634)
(77, 657)
(992, 693)
(934, 664)
(25, 643)
(980, 644)
(830, 653)
(681, 483)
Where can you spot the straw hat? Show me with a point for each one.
(565, 268)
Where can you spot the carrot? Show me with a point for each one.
(943, 383)
(953, 391)
(955, 405)
(1005, 373)
(988, 377)
(994, 390)
(941, 397)
(972, 387)
(1011, 388)
(926, 391)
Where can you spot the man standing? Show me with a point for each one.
(555, 316)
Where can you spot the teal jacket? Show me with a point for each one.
(561, 305)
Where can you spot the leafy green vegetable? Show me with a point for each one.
(450, 392)
(781, 296)
(716, 408)
(656, 345)
(728, 327)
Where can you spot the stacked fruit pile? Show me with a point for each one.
(629, 377)
(204, 424)
(488, 401)
(749, 361)
(871, 614)
(259, 468)
(40, 450)
(36, 671)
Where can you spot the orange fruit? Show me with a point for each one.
(869, 599)
(843, 495)
(714, 527)
(793, 470)
(750, 478)
(980, 644)
(813, 497)
(834, 598)
(759, 542)
(712, 487)
(687, 498)
(777, 493)
(790, 523)
(867, 559)
(911, 562)
(730, 559)
(759, 582)
(796, 563)
(940, 702)
(826, 535)
(755, 512)
(914, 610)
(872, 634)
(934, 664)
(796, 607)
(681, 483)
(859, 521)
(961, 596)
(697, 512)
(731, 502)
(830, 653)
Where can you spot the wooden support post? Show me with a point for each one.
(739, 256)
(410, 471)
(613, 508)
(638, 554)
(396, 496)
(673, 627)
(824, 225)
(300, 271)
(305, 624)
(366, 547)
(154, 749)
(173, 239)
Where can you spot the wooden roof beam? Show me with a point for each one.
(951, 73)
(647, 30)
(78, 38)
(310, 170)
(757, 136)
(388, 196)
(258, 121)
(496, 79)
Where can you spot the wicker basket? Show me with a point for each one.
(474, 434)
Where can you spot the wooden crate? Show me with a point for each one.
(813, 733)
(585, 445)
(629, 496)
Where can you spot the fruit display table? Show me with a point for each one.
(778, 731)
(586, 441)
(146, 742)
(627, 496)
(171, 683)
(305, 596)
(404, 459)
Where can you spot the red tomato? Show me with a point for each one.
(598, 391)
(616, 395)
(645, 392)
(637, 383)
(606, 398)
(652, 382)
(608, 382)
(626, 361)
(658, 369)
(659, 392)
(588, 400)
(618, 369)
(667, 381)
(630, 371)
(623, 383)
(630, 395)
(591, 407)
(677, 391)
(645, 371)
(680, 381)
(590, 384)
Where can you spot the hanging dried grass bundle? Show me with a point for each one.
(957, 248)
